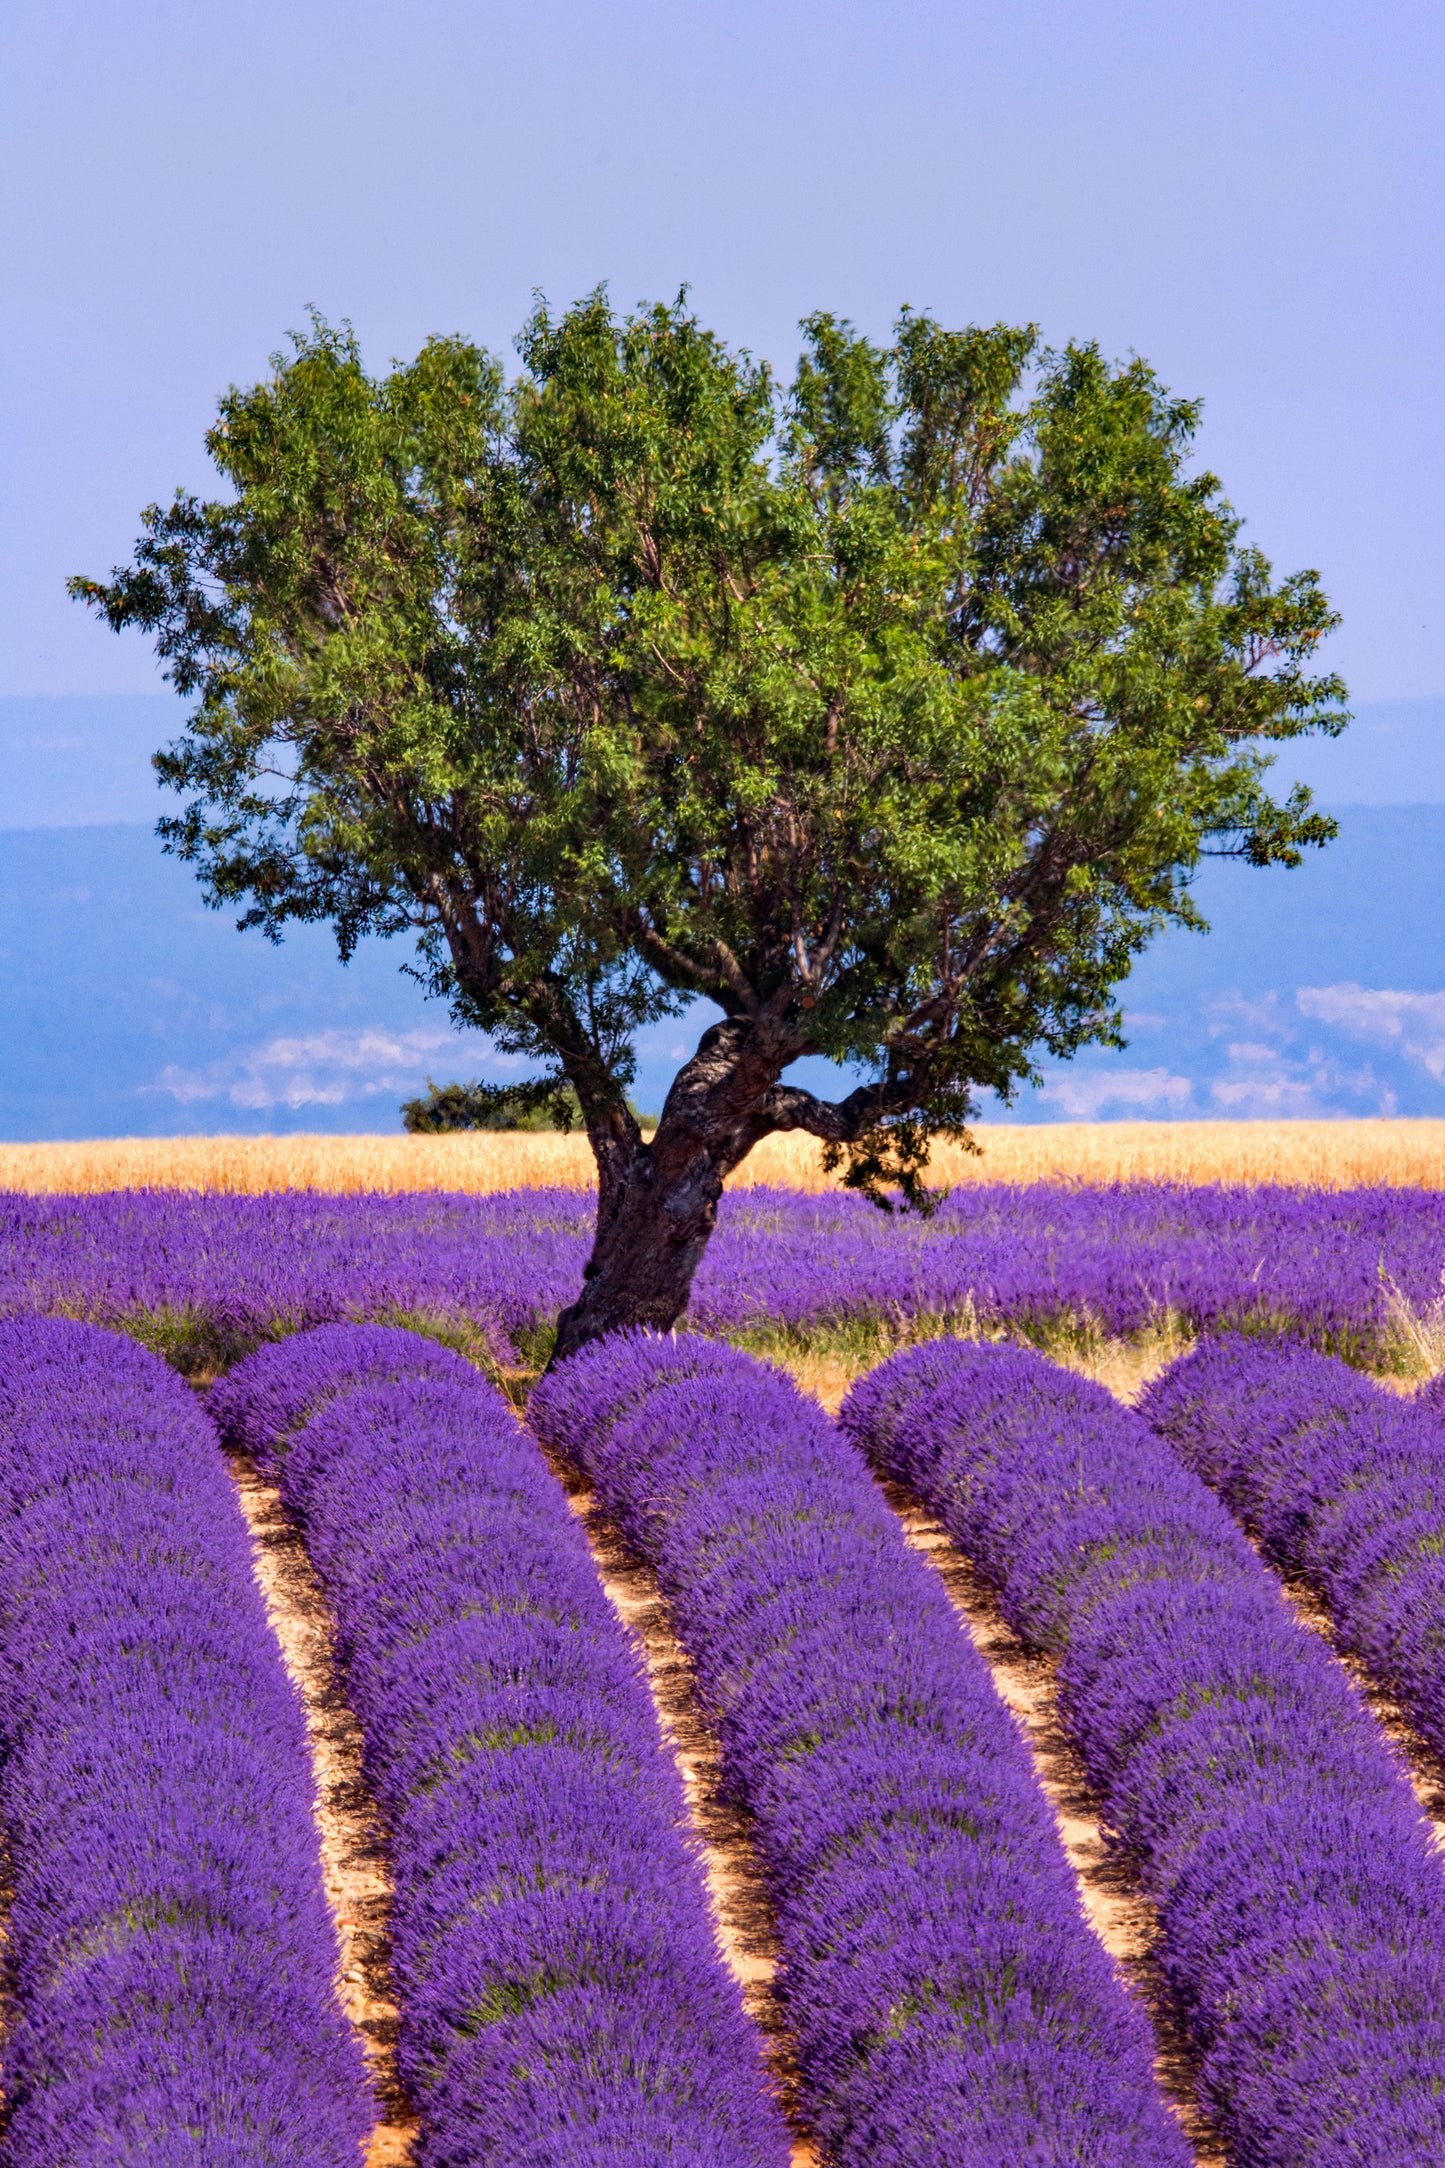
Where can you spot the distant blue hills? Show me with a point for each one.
(127, 1008)
(1318, 991)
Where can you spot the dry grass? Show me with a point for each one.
(1323, 1155)
(826, 1361)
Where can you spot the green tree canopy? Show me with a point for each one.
(892, 710)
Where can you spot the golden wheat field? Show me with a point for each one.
(1320, 1155)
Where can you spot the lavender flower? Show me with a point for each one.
(1302, 1909)
(172, 1955)
(949, 2001)
(562, 2001)
(221, 1273)
(1341, 1483)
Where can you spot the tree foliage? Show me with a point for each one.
(891, 709)
(540, 1104)
(447, 1108)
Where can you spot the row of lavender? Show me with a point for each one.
(1341, 1483)
(563, 2002)
(947, 1997)
(1327, 1267)
(1301, 1904)
(169, 1947)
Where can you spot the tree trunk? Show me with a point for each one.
(651, 1234)
(657, 1203)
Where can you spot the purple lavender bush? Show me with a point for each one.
(1341, 1483)
(172, 1957)
(949, 2001)
(218, 1274)
(1302, 1909)
(562, 2001)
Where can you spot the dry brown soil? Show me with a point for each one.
(353, 1860)
(737, 1894)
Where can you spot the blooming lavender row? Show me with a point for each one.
(1341, 1482)
(235, 1270)
(948, 1999)
(1302, 1910)
(562, 2001)
(172, 1955)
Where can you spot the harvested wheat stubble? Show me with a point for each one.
(1316, 1155)
(1117, 1909)
(353, 1860)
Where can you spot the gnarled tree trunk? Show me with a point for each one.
(657, 1203)
(651, 1233)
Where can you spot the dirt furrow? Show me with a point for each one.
(1421, 1764)
(742, 1913)
(354, 1869)
(1117, 1909)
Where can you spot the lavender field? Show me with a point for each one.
(709, 1825)
(206, 1278)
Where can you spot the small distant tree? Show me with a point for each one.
(450, 1107)
(891, 710)
(535, 1106)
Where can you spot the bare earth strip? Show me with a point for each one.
(742, 1914)
(1118, 1911)
(1422, 1766)
(358, 1887)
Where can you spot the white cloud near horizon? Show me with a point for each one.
(328, 1068)
(1268, 1070)
(1411, 1023)
(1083, 1095)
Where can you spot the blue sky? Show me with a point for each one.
(1246, 192)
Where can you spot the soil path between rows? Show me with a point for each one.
(353, 1860)
(742, 1913)
(1118, 1911)
(1419, 1763)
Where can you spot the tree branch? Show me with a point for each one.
(842, 1121)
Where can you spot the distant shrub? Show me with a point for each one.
(490, 1106)
(499, 1106)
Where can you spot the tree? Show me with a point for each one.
(535, 1106)
(891, 710)
(449, 1107)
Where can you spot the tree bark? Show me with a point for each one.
(657, 1203)
(651, 1234)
